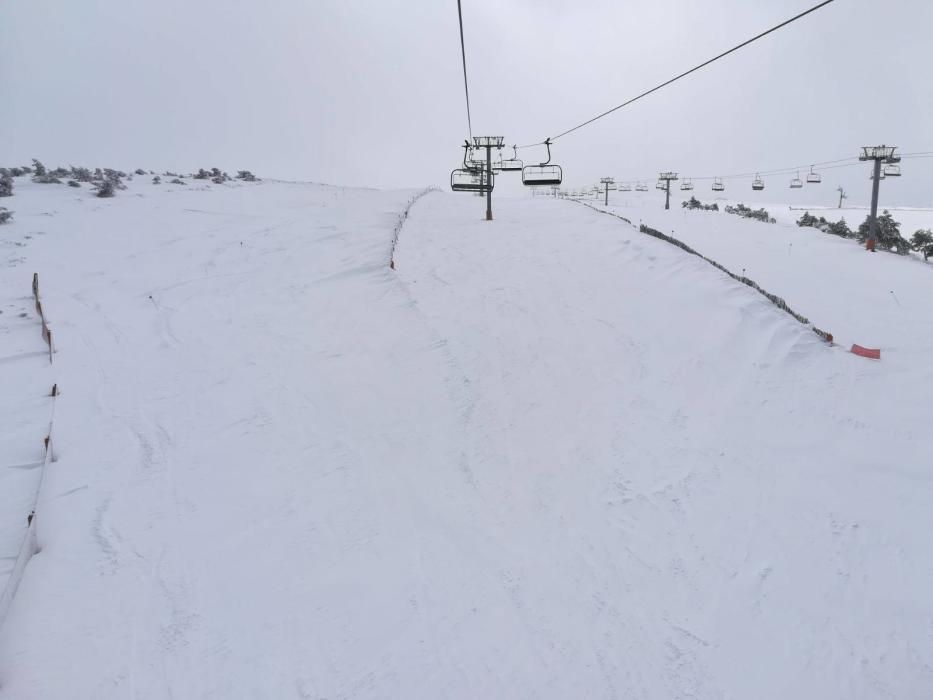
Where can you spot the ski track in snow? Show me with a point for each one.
(545, 456)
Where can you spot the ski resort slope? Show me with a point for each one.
(544, 457)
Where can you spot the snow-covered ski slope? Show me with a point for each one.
(545, 457)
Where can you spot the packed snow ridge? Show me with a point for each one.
(546, 456)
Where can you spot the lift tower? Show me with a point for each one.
(489, 143)
(877, 154)
(667, 178)
(606, 181)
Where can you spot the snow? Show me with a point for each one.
(546, 456)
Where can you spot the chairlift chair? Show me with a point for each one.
(796, 183)
(625, 187)
(718, 186)
(467, 180)
(758, 183)
(659, 185)
(813, 178)
(511, 164)
(543, 173)
(686, 185)
(892, 170)
(641, 187)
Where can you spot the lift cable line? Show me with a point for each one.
(684, 74)
(466, 85)
(823, 165)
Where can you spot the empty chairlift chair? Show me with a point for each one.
(641, 187)
(758, 184)
(510, 164)
(718, 186)
(625, 187)
(543, 173)
(796, 183)
(686, 185)
(892, 170)
(813, 178)
(464, 180)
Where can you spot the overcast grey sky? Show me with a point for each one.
(371, 93)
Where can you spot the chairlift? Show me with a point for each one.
(686, 185)
(543, 173)
(717, 185)
(625, 187)
(892, 171)
(641, 187)
(758, 183)
(796, 183)
(659, 185)
(813, 178)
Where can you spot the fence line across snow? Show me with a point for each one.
(46, 332)
(773, 298)
(402, 218)
(30, 544)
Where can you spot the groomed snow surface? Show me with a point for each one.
(545, 457)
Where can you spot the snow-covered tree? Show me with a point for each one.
(81, 174)
(6, 184)
(157, 180)
(245, 175)
(5, 215)
(921, 238)
(840, 228)
(74, 183)
(105, 189)
(888, 236)
(39, 169)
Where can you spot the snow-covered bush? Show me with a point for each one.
(74, 183)
(840, 228)
(157, 180)
(81, 174)
(922, 242)
(43, 176)
(749, 213)
(6, 184)
(177, 181)
(836, 228)
(694, 203)
(245, 175)
(5, 215)
(889, 234)
(202, 174)
(105, 188)
(140, 171)
(921, 238)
